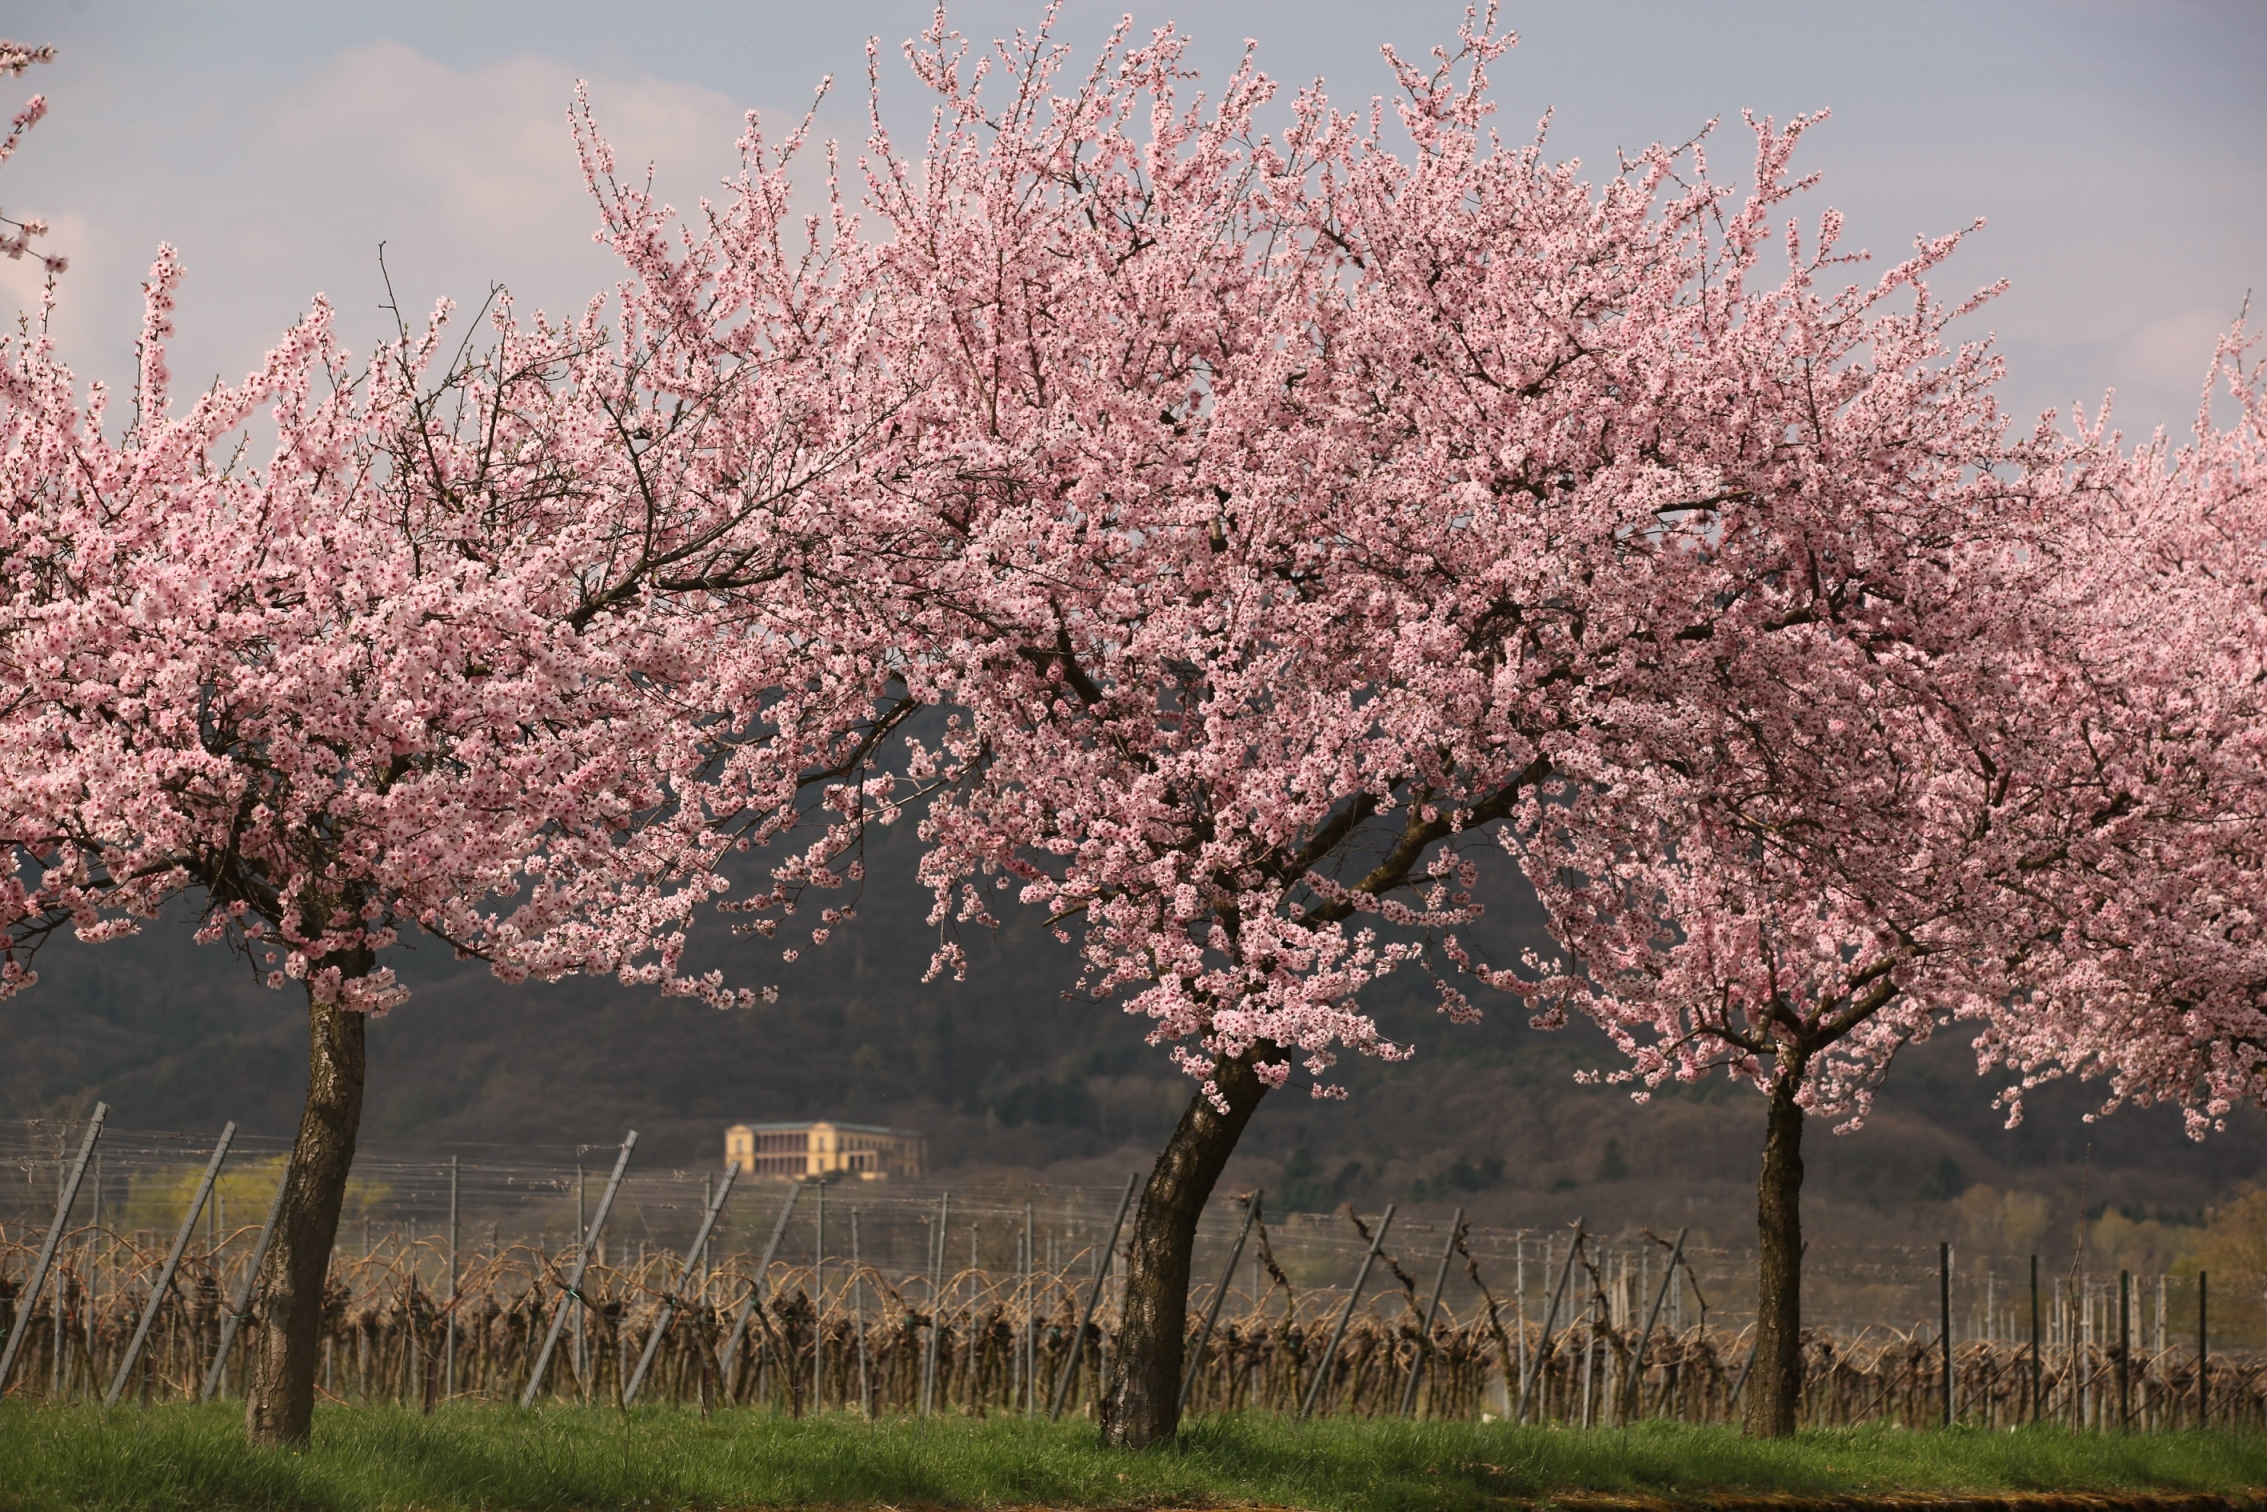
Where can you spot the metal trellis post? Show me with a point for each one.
(1425, 1324)
(1219, 1295)
(1345, 1316)
(1550, 1321)
(936, 1305)
(1093, 1300)
(754, 1299)
(669, 1300)
(1636, 1393)
(243, 1308)
(572, 1297)
(172, 1262)
(63, 1202)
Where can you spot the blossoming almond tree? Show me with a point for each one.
(1792, 938)
(2150, 971)
(2040, 815)
(1805, 831)
(1319, 512)
(487, 649)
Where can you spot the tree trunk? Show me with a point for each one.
(1142, 1406)
(1775, 1379)
(279, 1403)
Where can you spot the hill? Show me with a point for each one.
(1004, 1073)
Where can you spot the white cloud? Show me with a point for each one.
(467, 176)
(2174, 352)
(471, 175)
(277, 145)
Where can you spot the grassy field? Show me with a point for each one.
(493, 1457)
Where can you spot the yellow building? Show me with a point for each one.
(807, 1151)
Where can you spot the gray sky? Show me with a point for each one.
(2116, 148)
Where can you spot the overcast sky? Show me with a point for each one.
(2115, 148)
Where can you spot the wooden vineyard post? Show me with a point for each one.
(1425, 1323)
(56, 1352)
(1219, 1295)
(858, 1315)
(2203, 1354)
(1017, 1309)
(1550, 1321)
(575, 1356)
(63, 1202)
(819, 1301)
(1030, 1340)
(1345, 1316)
(755, 1296)
(1594, 1322)
(1093, 1300)
(2038, 1378)
(2124, 1351)
(164, 1284)
(670, 1298)
(1519, 1304)
(242, 1311)
(1944, 1322)
(572, 1297)
(96, 1250)
(1636, 1403)
(449, 1336)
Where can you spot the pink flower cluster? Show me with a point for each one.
(16, 236)
(2150, 969)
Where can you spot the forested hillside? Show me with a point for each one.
(1004, 1071)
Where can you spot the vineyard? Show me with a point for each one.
(844, 1333)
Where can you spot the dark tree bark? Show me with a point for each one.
(1775, 1380)
(279, 1406)
(1142, 1404)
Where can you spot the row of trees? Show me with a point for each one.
(1219, 539)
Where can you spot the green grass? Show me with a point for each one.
(494, 1457)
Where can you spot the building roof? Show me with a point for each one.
(832, 1123)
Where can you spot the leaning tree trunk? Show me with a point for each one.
(1142, 1405)
(1775, 1378)
(279, 1407)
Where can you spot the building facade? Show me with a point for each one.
(809, 1151)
